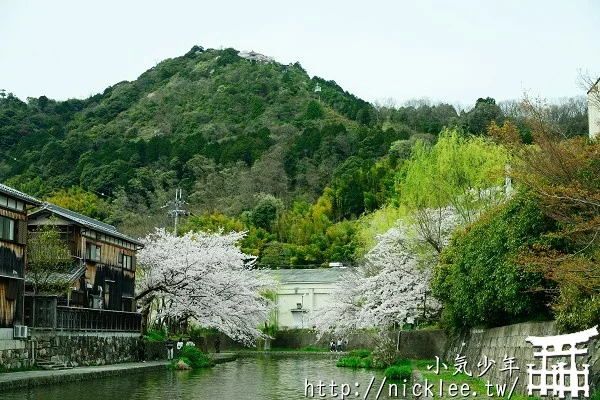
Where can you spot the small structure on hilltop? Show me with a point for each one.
(13, 239)
(302, 291)
(253, 56)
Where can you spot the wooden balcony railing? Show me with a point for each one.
(89, 319)
(52, 317)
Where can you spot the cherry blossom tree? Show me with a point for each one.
(393, 281)
(343, 313)
(205, 277)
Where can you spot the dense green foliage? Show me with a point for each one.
(156, 336)
(194, 357)
(251, 144)
(458, 164)
(356, 359)
(478, 279)
(360, 353)
(398, 372)
(354, 362)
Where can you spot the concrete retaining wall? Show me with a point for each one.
(422, 345)
(497, 343)
(411, 344)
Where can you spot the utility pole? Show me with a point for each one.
(177, 210)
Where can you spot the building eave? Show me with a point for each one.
(14, 193)
(84, 222)
(593, 86)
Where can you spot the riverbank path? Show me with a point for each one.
(9, 380)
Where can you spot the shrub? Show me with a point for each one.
(360, 353)
(403, 362)
(172, 364)
(155, 336)
(478, 279)
(367, 362)
(355, 362)
(349, 362)
(398, 372)
(195, 356)
(384, 354)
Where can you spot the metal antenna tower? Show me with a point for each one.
(177, 210)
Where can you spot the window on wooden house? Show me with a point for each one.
(11, 203)
(92, 252)
(127, 262)
(7, 228)
(127, 305)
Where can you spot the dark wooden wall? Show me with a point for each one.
(12, 268)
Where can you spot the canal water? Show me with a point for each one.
(269, 377)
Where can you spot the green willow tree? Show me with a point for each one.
(47, 257)
(460, 171)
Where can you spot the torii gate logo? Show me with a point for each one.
(559, 380)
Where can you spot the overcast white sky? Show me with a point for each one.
(453, 51)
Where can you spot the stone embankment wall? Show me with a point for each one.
(510, 341)
(71, 348)
(14, 354)
(82, 348)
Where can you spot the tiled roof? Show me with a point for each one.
(70, 276)
(318, 275)
(84, 221)
(7, 190)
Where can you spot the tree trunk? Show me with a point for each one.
(145, 316)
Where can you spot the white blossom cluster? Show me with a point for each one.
(205, 277)
(394, 280)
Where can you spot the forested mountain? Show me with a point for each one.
(252, 144)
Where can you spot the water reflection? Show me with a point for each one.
(261, 377)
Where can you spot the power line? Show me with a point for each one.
(74, 181)
(176, 205)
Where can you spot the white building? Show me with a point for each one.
(301, 291)
(594, 109)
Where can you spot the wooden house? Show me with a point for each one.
(13, 238)
(103, 275)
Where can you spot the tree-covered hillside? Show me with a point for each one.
(252, 144)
